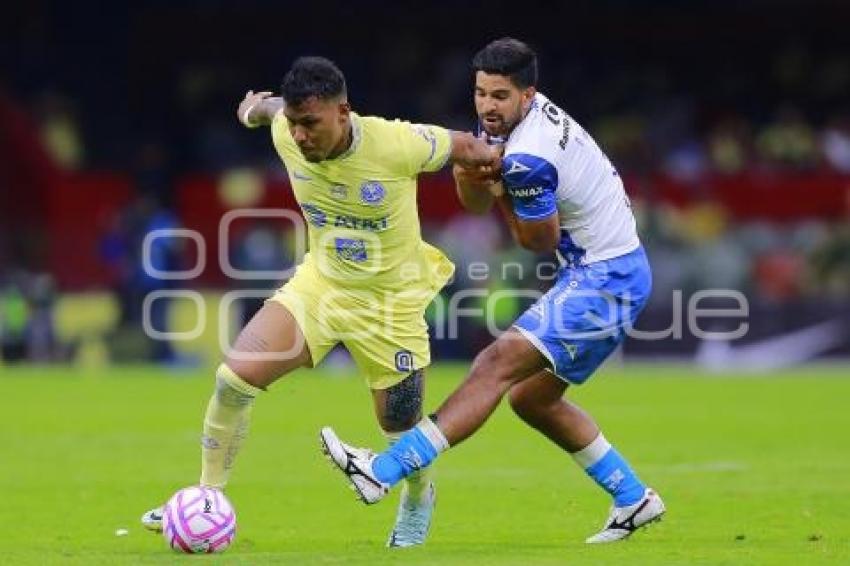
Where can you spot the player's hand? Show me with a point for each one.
(493, 169)
(480, 177)
(249, 103)
(484, 174)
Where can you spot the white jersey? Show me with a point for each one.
(551, 164)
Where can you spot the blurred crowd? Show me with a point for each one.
(27, 325)
(681, 101)
(668, 142)
(695, 246)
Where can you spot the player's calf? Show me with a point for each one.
(399, 407)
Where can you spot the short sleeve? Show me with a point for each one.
(425, 147)
(531, 181)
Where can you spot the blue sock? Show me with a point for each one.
(415, 450)
(610, 471)
(614, 475)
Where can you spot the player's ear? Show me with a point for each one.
(344, 108)
(344, 111)
(527, 96)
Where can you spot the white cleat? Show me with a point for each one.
(356, 464)
(413, 519)
(623, 521)
(152, 520)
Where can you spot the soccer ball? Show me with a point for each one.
(198, 520)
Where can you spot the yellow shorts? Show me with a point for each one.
(385, 331)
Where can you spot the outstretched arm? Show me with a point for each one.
(258, 108)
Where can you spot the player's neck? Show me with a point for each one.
(345, 141)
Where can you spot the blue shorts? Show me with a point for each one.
(585, 316)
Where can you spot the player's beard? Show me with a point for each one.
(502, 126)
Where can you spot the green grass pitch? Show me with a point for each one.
(754, 470)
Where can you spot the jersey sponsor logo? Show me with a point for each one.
(404, 360)
(558, 118)
(517, 167)
(565, 137)
(319, 218)
(372, 193)
(357, 223)
(525, 192)
(339, 192)
(552, 113)
(315, 215)
(351, 249)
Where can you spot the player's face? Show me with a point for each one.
(319, 127)
(500, 104)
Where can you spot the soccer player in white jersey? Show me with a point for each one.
(366, 280)
(560, 194)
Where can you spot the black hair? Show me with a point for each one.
(509, 57)
(312, 76)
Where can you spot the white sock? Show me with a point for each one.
(225, 426)
(592, 453)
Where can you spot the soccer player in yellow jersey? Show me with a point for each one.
(366, 280)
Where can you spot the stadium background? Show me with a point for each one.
(732, 131)
(729, 121)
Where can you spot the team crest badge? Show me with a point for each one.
(372, 193)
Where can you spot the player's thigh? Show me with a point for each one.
(538, 390)
(271, 345)
(511, 358)
(387, 345)
(399, 407)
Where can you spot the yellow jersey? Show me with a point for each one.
(360, 207)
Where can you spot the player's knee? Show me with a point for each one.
(252, 373)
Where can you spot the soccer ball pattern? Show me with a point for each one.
(198, 520)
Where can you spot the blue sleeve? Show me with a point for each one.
(531, 181)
